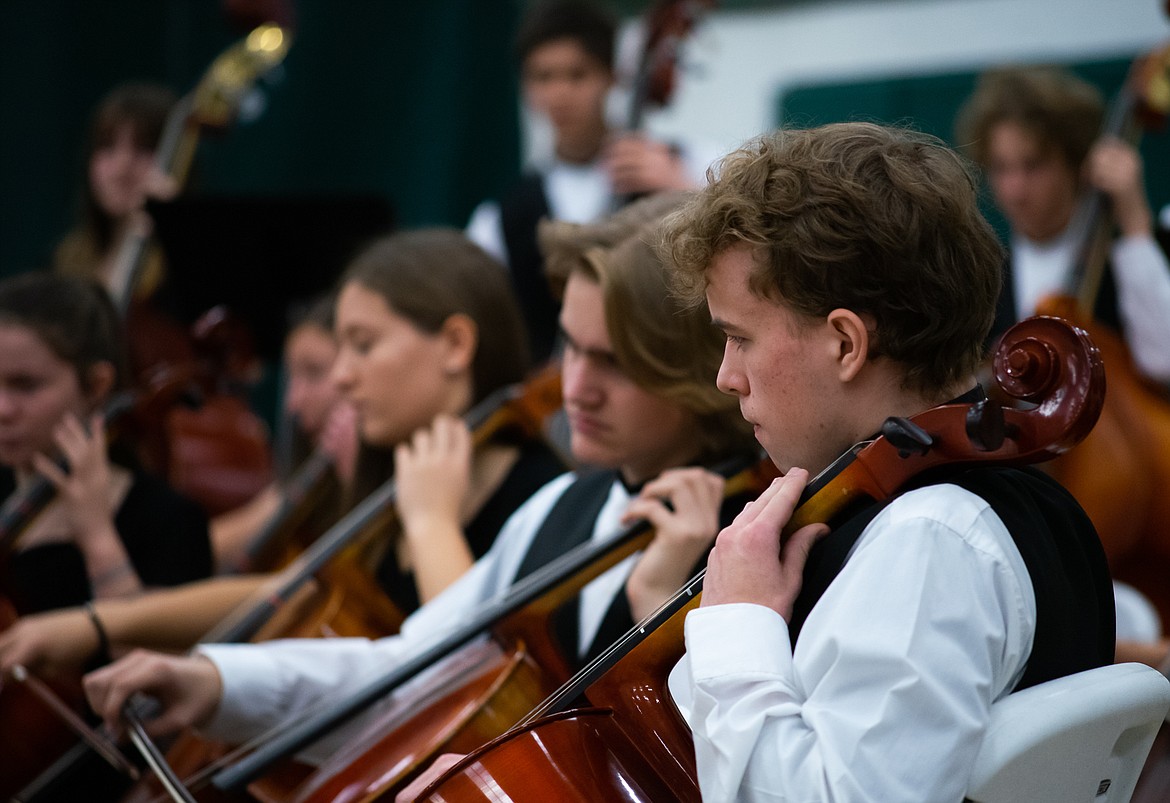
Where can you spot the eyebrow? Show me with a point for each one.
(724, 326)
(594, 353)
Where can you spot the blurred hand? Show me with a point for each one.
(1115, 168)
(85, 490)
(637, 165)
(188, 689)
(433, 473)
(340, 440)
(683, 505)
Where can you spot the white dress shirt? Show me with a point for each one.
(888, 691)
(1142, 275)
(267, 684)
(576, 193)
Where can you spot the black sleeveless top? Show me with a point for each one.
(520, 210)
(165, 536)
(1064, 558)
(535, 466)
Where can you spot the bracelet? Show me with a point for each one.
(103, 646)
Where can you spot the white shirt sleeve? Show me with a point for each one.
(891, 682)
(267, 684)
(1143, 295)
(485, 229)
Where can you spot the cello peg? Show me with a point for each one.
(906, 436)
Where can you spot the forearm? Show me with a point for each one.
(439, 554)
(111, 574)
(232, 532)
(174, 618)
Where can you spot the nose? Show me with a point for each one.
(1010, 185)
(122, 155)
(342, 374)
(8, 406)
(730, 378)
(578, 381)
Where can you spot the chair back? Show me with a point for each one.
(1083, 737)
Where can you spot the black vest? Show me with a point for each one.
(1065, 561)
(570, 522)
(1105, 309)
(520, 210)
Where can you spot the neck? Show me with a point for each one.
(889, 400)
(459, 397)
(637, 475)
(582, 148)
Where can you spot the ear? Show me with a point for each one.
(460, 338)
(99, 383)
(850, 337)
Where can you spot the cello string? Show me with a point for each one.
(153, 756)
(572, 565)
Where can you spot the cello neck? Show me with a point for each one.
(24, 505)
(212, 103)
(1143, 98)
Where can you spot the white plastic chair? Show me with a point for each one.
(1083, 737)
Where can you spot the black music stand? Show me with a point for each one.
(259, 255)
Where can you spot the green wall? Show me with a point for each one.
(413, 101)
(930, 103)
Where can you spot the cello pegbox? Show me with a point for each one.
(985, 425)
(906, 436)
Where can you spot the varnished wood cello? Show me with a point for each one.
(630, 743)
(521, 622)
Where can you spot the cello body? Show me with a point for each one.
(1118, 472)
(469, 700)
(461, 710)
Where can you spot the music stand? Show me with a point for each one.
(258, 255)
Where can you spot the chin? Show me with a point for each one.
(373, 436)
(589, 453)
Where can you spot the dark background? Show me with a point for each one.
(411, 102)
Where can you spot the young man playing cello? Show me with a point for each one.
(854, 279)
